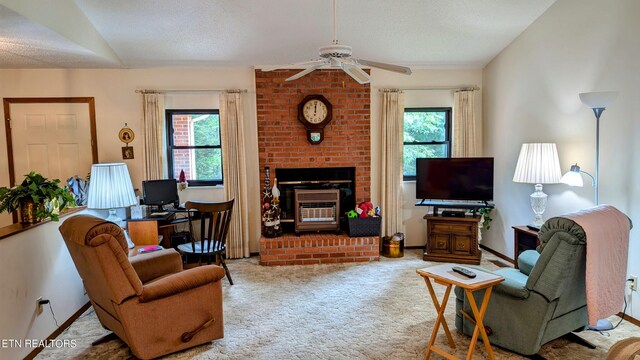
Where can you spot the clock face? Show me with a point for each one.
(314, 111)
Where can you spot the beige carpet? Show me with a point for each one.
(378, 310)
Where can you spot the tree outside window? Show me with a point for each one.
(194, 146)
(427, 133)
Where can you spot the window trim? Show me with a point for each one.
(170, 147)
(447, 133)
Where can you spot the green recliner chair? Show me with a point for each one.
(543, 300)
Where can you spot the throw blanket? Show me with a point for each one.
(607, 237)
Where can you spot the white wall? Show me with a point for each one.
(33, 264)
(415, 226)
(37, 263)
(531, 95)
(117, 103)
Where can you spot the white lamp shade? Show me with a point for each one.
(599, 99)
(572, 178)
(538, 164)
(110, 187)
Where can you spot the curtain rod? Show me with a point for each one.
(434, 88)
(148, 91)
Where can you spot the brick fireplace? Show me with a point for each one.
(282, 143)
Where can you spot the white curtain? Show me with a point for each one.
(466, 127)
(391, 161)
(234, 166)
(153, 109)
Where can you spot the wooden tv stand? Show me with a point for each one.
(452, 239)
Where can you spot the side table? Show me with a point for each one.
(443, 275)
(452, 239)
(523, 239)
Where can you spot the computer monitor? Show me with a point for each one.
(158, 193)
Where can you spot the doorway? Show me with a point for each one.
(53, 136)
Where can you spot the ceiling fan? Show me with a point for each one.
(337, 56)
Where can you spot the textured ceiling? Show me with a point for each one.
(154, 33)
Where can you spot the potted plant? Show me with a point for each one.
(485, 220)
(37, 197)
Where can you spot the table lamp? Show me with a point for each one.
(110, 188)
(538, 164)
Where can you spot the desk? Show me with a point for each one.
(443, 275)
(523, 239)
(147, 230)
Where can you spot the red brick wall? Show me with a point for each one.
(282, 139)
(181, 158)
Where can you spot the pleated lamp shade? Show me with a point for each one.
(538, 164)
(110, 187)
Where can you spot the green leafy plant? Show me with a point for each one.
(41, 191)
(486, 217)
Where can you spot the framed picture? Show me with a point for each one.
(126, 135)
(127, 152)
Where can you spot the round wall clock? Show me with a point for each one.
(314, 112)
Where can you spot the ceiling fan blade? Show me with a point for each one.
(304, 72)
(353, 70)
(295, 65)
(384, 66)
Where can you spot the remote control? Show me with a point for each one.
(460, 270)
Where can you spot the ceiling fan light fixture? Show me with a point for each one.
(338, 51)
(337, 56)
(334, 63)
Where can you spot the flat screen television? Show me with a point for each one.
(158, 193)
(469, 179)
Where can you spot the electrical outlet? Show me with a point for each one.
(633, 283)
(39, 307)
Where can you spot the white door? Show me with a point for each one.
(53, 139)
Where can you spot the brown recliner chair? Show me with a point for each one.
(147, 300)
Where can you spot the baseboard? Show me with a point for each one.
(630, 319)
(59, 330)
(501, 256)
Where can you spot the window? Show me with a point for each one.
(194, 146)
(427, 134)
